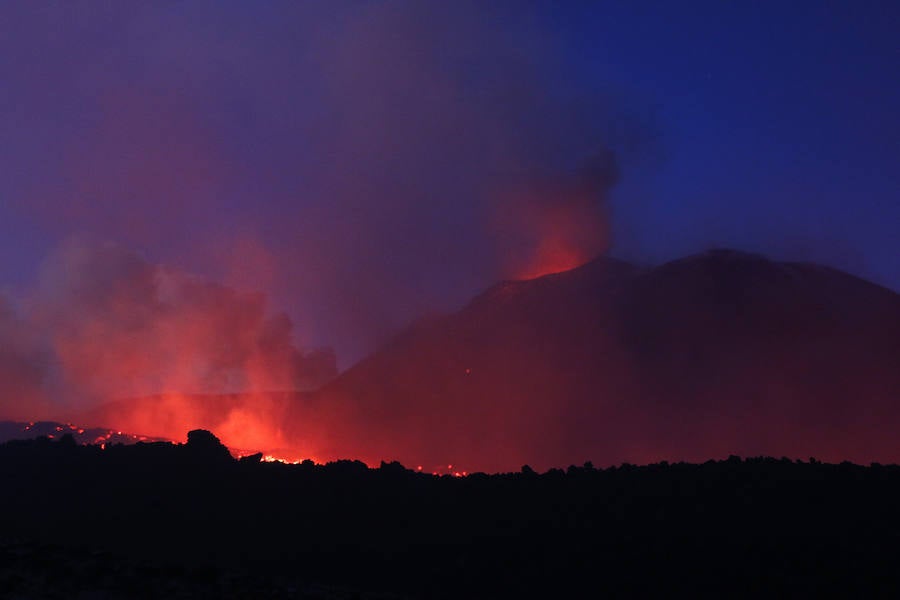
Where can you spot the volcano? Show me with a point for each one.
(718, 353)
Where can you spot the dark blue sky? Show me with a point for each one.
(345, 158)
(779, 126)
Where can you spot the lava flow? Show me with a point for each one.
(95, 436)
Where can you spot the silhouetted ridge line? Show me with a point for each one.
(189, 510)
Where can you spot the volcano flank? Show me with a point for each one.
(715, 354)
(711, 355)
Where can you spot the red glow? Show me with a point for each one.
(554, 254)
(286, 460)
(122, 327)
(550, 229)
(250, 422)
(539, 393)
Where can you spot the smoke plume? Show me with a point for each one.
(22, 367)
(557, 222)
(360, 164)
(102, 323)
(388, 159)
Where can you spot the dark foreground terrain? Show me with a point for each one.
(158, 520)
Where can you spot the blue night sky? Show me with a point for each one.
(347, 158)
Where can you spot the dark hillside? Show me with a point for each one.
(148, 516)
(716, 354)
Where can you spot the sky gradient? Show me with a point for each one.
(359, 162)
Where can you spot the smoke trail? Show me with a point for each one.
(389, 158)
(103, 323)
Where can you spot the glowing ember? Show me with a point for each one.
(438, 471)
(270, 458)
(287, 460)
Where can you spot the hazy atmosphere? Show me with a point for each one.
(225, 197)
(423, 299)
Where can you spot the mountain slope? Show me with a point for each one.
(718, 353)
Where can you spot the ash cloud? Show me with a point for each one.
(23, 367)
(557, 221)
(391, 158)
(103, 323)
